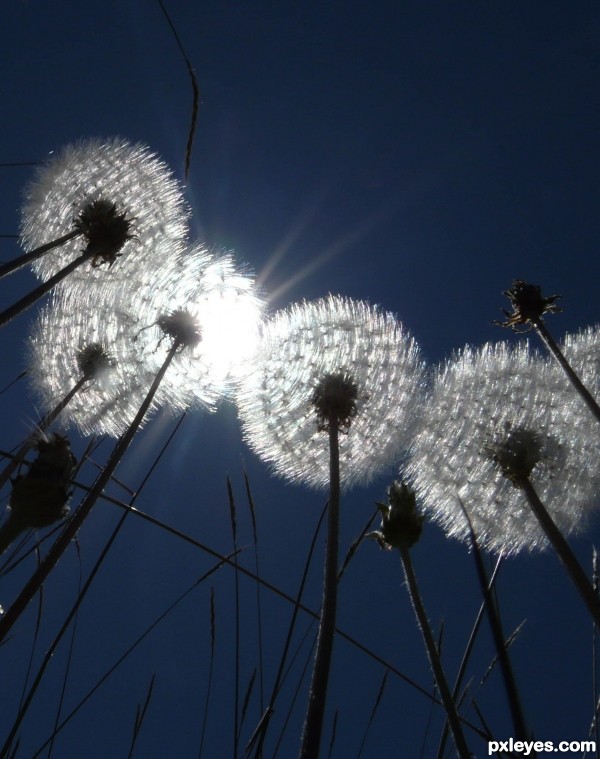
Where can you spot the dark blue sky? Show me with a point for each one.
(419, 155)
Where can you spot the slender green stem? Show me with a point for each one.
(433, 655)
(32, 297)
(313, 724)
(64, 539)
(565, 554)
(17, 263)
(552, 346)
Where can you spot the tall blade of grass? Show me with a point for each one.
(247, 695)
(236, 696)
(333, 734)
(354, 546)
(373, 713)
(13, 382)
(467, 655)
(127, 652)
(70, 653)
(593, 726)
(263, 725)
(286, 597)
(507, 644)
(428, 724)
(195, 93)
(258, 604)
(139, 717)
(38, 621)
(294, 698)
(484, 723)
(210, 670)
(512, 692)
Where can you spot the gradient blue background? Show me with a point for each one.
(420, 155)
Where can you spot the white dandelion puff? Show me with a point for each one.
(90, 181)
(494, 416)
(302, 345)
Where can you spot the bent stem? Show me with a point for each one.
(64, 539)
(562, 548)
(33, 255)
(433, 655)
(313, 724)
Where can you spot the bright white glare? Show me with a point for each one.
(224, 303)
(229, 323)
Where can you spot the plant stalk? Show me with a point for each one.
(433, 655)
(562, 548)
(33, 255)
(313, 725)
(32, 297)
(552, 346)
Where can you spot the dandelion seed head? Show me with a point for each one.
(494, 415)
(111, 172)
(72, 338)
(217, 307)
(301, 348)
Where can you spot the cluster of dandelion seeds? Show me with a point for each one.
(300, 346)
(100, 175)
(221, 302)
(135, 324)
(493, 412)
(73, 335)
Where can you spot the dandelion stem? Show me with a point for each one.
(565, 554)
(552, 346)
(32, 297)
(313, 725)
(64, 539)
(433, 655)
(17, 263)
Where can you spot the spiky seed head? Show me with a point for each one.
(338, 347)
(182, 327)
(528, 305)
(495, 414)
(94, 361)
(517, 454)
(401, 523)
(105, 229)
(334, 399)
(95, 181)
